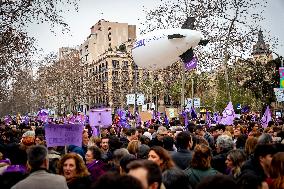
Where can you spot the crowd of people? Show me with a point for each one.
(198, 156)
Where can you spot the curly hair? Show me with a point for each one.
(81, 169)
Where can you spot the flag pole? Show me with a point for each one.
(182, 86)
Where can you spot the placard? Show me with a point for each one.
(63, 134)
(196, 102)
(100, 117)
(188, 103)
(130, 99)
(140, 99)
(279, 93)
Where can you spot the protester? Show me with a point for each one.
(250, 145)
(133, 147)
(235, 160)
(175, 178)
(112, 180)
(183, 156)
(224, 144)
(158, 140)
(147, 172)
(259, 164)
(276, 171)
(104, 145)
(161, 157)
(94, 163)
(73, 168)
(131, 134)
(39, 177)
(125, 160)
(200, 166)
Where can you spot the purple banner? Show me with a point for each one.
(61, 135)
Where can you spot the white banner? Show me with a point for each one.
(188, 103)
(196, 102)
(140, 99)
(279, 93)
(130, 99)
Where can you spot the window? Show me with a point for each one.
(115, 63)
(125, 64)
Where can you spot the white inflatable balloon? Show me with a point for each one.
(156, 50)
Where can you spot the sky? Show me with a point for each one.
(131, 12)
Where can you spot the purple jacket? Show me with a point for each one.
(97, 168)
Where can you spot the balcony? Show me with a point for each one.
(125, 68)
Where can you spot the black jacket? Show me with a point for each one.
(182, 158)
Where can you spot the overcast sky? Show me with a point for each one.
(130, 11)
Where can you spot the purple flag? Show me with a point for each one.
(7, 120)
(193, 113)
(158, 116)
(122, 119)
(228, 115)
(208, 119)
(253, 118)
(215, 117)
(166, 120)
(191, 64)
(43, 115)
(138, 119)
(184, 114)
(266, 118)
(153, 114)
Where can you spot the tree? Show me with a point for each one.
(16, 47)
(60, 82)
(229, 25)
(259, 78)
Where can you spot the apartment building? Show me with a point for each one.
(110, 71)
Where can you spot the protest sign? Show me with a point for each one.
(65, 134)
(100, 117)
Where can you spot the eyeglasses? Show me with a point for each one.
(163, 134)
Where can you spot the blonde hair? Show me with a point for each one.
(133, 147)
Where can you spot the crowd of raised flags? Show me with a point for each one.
(125, 119)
